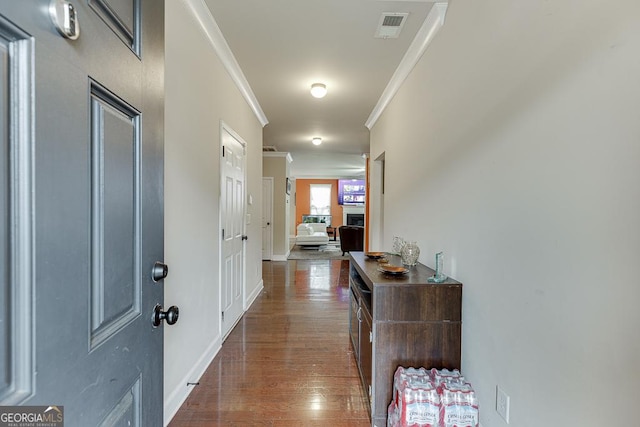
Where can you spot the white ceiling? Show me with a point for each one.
(283, 46)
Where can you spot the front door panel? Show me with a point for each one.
(122, 17)
(16, 204)
(6, 332)
(96, 216)
(115, 213)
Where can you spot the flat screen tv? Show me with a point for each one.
(351, 191)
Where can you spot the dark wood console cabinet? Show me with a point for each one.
(400, 321)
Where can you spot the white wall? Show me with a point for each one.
(277, 165)
(199, 95)
(514, 147)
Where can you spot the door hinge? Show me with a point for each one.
(223, 234)
(370, 336)
(223, 151)
(223, 316)
(369, 391)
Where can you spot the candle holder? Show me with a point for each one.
(439, 277)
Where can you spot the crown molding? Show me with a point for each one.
(284, 154)
(208, 24)
(432, 24)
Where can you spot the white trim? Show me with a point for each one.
(278, 154)
(429, 29)
(281, 257)
(203, 15)
(178, 396)
(252, 298)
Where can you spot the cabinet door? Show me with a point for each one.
(354, 324)
(366, 346)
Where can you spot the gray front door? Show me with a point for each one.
(81, 168)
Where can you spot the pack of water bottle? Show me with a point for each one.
(432, 398)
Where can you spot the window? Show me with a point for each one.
(320, 199)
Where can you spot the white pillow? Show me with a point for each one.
(305, 230)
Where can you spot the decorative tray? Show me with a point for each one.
(392, 269)
(375, 255)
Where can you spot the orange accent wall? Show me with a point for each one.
(303, 199)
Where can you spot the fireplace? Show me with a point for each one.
(355, 219)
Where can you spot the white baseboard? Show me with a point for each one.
(177, 397)
(251, 298)
(281, 257)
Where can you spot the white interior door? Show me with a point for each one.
(232, 219)
(82, 168)
(267, 218)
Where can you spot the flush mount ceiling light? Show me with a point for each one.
(318, 90)
(316, 141)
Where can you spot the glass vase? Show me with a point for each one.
(410, 253)
(398, 244)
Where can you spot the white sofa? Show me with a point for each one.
(312, 234)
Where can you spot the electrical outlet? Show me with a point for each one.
(502, 403)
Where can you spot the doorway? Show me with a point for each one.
(232, 218)
(267, 218)
(377, 202)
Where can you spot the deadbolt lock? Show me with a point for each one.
(65, 18)
(159, 271)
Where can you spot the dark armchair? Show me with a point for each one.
(351, 238)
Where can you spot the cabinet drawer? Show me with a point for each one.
(418, 303)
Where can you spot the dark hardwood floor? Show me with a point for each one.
(288, 362)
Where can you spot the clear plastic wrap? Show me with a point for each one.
(432, 398)
(459, 405)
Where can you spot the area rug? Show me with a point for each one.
(330, 251)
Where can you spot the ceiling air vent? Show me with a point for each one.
(269, 148)
(390, 25)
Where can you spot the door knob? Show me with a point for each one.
(159, 271)
(245, 237)
(171, 315)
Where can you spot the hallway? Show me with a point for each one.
(288, 362)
